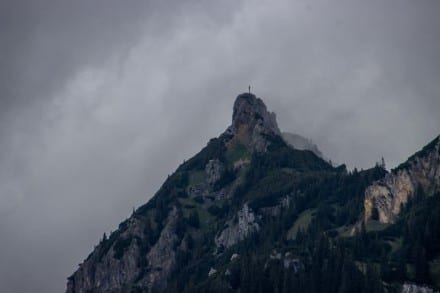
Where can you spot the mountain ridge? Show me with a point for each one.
(250, 213)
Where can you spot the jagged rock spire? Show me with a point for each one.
(251, 122)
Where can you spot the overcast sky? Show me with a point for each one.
(101, 99)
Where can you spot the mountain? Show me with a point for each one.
(421, 172)
(249, 213)
(301, 143)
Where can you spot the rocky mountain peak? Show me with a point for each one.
(251, 122)
(250, 111)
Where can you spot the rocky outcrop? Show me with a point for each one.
(207, 189)
(384, 198)
(162, 256)
(413, 288)
(94, 272)
(252, 123)
(235, 231)
(106, 271)
(301, 143)
(212, 271)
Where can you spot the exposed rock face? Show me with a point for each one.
(251, 122)
(301, 143)
(162, 255)
(413, 288)
(211, 272)
(236, 231)
(214, 171)
(384, 198)
(94, 274)
(112, 274)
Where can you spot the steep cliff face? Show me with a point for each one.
(117, 263)
(251, 123)
(237, 229)
(384, 198)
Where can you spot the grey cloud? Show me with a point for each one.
(100, 100)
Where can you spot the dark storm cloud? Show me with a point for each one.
(100, 100)
(71, 168)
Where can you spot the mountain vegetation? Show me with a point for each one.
(250, 213)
